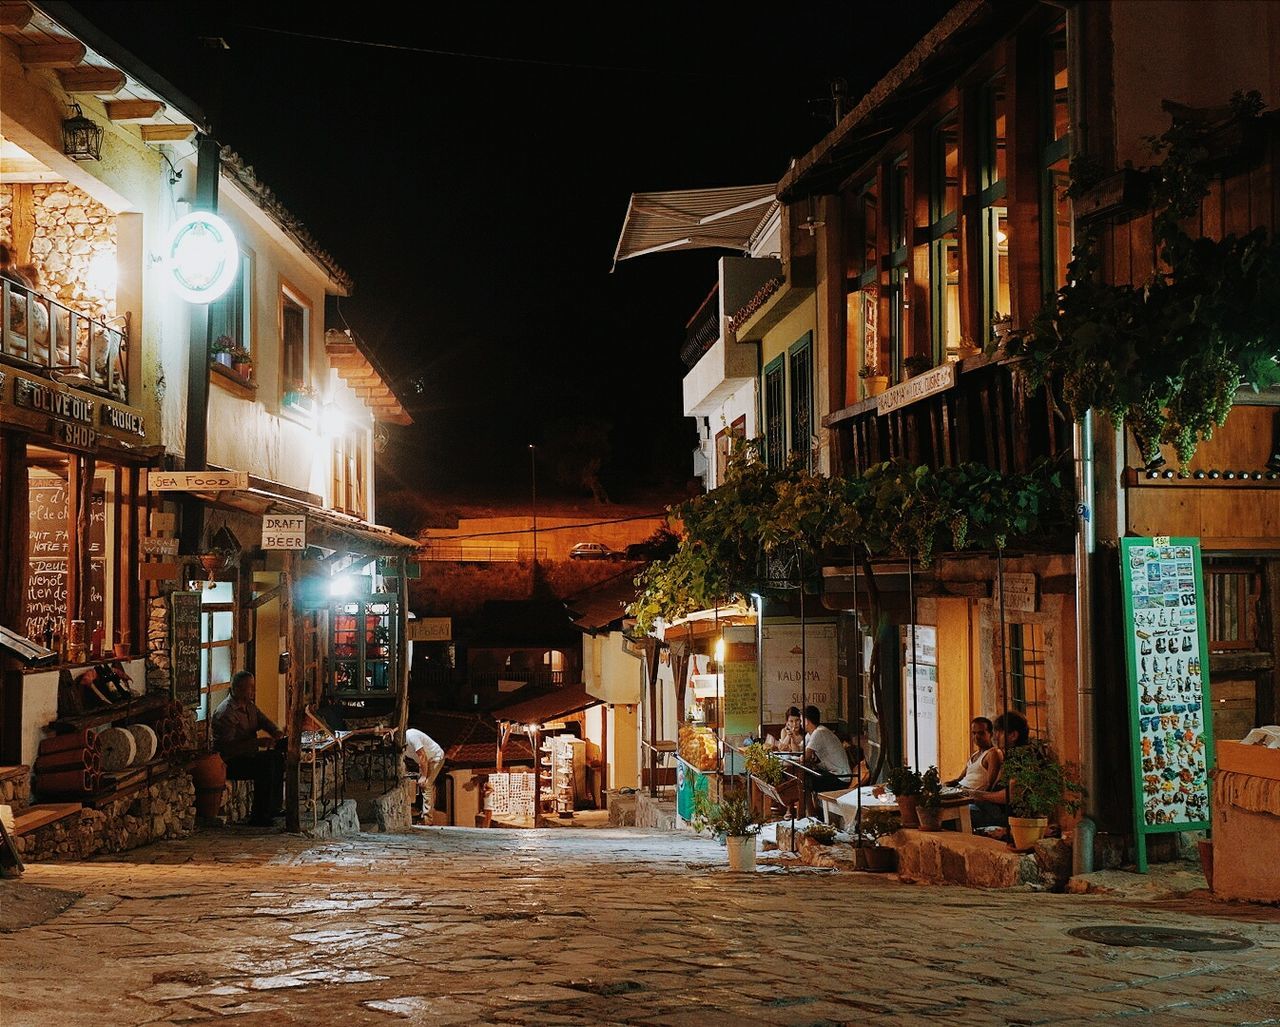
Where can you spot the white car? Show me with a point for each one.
(590, 551)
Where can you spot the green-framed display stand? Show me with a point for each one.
(1167, 658)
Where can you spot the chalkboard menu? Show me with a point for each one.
(185, 641)
(1168, 663)
(48, 551)
(741, 683)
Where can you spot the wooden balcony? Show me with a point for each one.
(982, 413)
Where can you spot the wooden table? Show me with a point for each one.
(844, 804)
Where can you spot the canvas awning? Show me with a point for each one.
(548, 707)
(691, 219)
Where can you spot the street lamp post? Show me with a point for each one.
(533, 477)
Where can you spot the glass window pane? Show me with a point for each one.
(221, 664)
(901, 210)
(945, 269)
(1060, 118)
(993, 169)
(217, 592)
(946, 183)
(222, 623)
(870, 229)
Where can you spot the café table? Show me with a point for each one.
(844, 804)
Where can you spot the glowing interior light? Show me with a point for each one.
(201, 257)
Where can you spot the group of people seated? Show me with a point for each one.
(832, 766)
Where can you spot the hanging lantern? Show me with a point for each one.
(81, 138)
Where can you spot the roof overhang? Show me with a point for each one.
(368, 382)
(693, 219)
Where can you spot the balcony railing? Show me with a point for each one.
(41, 333)
(534, 676)
(703, 329)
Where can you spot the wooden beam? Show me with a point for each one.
(167, 133)
(133, 110)
(14, 16)
(91, 79)
(51, 55)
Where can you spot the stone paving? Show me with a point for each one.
(453, 926)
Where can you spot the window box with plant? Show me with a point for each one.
(733, 819)
(242, 363)
(1039, 785)
(222, 350)
(876, 382)
(299, 397)
(905, 785)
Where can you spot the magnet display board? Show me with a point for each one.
(1167, 657)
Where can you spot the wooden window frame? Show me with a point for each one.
(288, 293)
(943, 230)
(800, 388)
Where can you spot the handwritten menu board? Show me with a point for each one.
(1168, 671)
(741, 683)
(185, 658)
(49, 549)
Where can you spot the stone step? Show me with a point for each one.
(33, 818)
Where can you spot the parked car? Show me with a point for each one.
(590, 551)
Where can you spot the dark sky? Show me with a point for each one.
(476, 200)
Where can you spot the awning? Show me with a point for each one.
(541, 709)
(692, 219)
(326, 529)
(366, 380)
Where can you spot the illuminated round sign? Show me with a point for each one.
(201, 257)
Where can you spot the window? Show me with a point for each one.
(294, 331)
(801, 360)
(349, 473)
(1234, 593)
(775, 403)
(1055, 218)
(217, 620)
(724, 445)
(862, 295)
(899, 240)
(1027, 694)
(944, 243)
(232, 315)
(995, 215)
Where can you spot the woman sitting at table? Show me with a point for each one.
(791, 737)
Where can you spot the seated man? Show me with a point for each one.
(825, 754)
(983, 768)
(990, 805)
(236, 723)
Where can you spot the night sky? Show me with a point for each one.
(472, 173)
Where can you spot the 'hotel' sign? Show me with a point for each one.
(939, 379)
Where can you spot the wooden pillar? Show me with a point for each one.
(402, 646)
(15, 537)
(84, 547)
(291, 623)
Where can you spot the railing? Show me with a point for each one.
(39, 332)
(703, 329)
(530, 676)
(479, 552)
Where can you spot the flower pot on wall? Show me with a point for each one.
(930, 819)
(1027, 831)
(210, 776)
(243, 369)
(223, 358)
(876, 384)
(907, 808)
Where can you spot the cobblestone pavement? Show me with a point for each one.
(449, 926)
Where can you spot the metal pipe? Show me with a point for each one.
(1082, 457)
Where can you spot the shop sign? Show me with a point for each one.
(54, 402)
(1019, 593)
(123, 420)
(155, 546)
(429, 629)
(201, 257)
(284, 531)
(76, 436)
(939, 379)
(799, 669)
(1170, 715)
(196, 481)
(186, 648)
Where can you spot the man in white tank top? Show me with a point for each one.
(427, 754)
(983, 768)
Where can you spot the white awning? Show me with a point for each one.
(691, 219)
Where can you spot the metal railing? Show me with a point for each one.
(39, 332)
(703, 330)
(530, 676)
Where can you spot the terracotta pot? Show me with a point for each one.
(907, 808)
(930, 819)
(244, 370)
(742, 851)
(876, 384)
(1205, 845)
(212, 563)
(1027, 831)
(209, 773)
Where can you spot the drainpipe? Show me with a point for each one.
(1082, 457)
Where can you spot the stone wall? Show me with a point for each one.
(659, 814)
(71, 229)
(160, 811)
(393, 811)
(158, 658)
(15, 787)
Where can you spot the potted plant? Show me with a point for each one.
(765, 765)
(917, 364)
(876, 824)
(222, 349)
(1038, 784)
(298, 395)
(876, 382)
(242, 362)
(929, 805)
(734, 819)
(905, 785)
